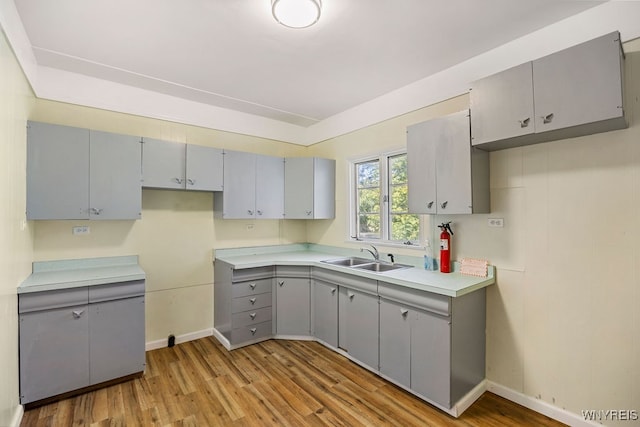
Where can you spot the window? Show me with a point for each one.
(380, 201)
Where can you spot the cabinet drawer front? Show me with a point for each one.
(251, 317)
(113, 291)
(251, 332)
(439, 304)
(252, 287)
(348, 280)
(256, 273)
(292, 271)
(250, 302)
(48, 300)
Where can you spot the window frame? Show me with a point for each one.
(385, 201)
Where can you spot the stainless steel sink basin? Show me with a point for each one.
(348, 262)
(380, 267)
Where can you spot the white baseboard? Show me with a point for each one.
(17, 416)
(153, 345)
(469, 399)
(544, 408)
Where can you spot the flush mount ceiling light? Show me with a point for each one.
(296, 13)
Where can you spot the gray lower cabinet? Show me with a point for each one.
(324, 312)
(293, 301)
(432, 344)
(358, 325)
(76, 337)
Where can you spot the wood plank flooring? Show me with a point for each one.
(274, 383)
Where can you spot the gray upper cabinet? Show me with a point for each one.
(253, 187)
(577, 91)
(180, 166)
(309, 189)
(445, 174)
(75, 173)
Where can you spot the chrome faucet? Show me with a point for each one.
(374, 253)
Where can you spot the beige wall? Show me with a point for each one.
(16, 100)
(177, 233)
(563, 321)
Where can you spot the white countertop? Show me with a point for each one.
(450, 284)
(52, 275)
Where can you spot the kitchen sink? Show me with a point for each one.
(380, 267)
(348, 262)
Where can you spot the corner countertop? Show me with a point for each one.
(452, 284)
(64, 274)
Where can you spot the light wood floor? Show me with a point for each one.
(279, 383)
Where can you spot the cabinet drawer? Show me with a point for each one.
(256, 273)
(251, 317)
(250, 302)
(251, 332)
(252, 287)
(435, 303)
(48, 300)
(113, 291)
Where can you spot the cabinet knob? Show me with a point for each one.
(404, 312)
(252, 285)
(430, 204)
(351, 295)
(524, 123)
(252, 316)
(77, 313)
(178, 180)
(281, 283)
(252, 301)
(96, 211)
(444, 204)
(309, 213)
(259, 212)
(547, 119)
(250, 212)
(191, 181)
(333, 291)
(253, 331)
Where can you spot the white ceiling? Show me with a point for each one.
(233, 54)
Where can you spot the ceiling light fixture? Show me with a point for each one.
(296, 13)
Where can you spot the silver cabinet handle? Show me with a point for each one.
(309, 213)
(333, 291)
(178, 180)
(250, 212)
(252, 301)
(430, 204)
(96, 211)
(281, 283)
(404, 312)
(259, 213)
(77, 313)
(350, 295)
(253, 331)
(547, 119)
(444, 204)
(191, 181)
(252, 285)
(524, 123)
(252, 316)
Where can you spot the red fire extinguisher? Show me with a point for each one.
(445, 247)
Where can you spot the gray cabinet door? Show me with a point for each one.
(116, 339)
(298, 188)
(115, 176)
(431, 357)
(57, 172)
(54, 355)
(578, 85)
(358, 318)
(395, 341)
(422, 139)
(204, 168)
(269, 187)
(163, 164)
(325, 312)
(293, 306)
(502, 105)
(239, 194)
(453, 165)
(324, 188)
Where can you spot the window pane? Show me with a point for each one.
(405, 227)
(398, 169)
(369, 200)
(369, 174)
(399, 199)
(369, 226)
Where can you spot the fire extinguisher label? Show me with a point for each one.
(444, 245)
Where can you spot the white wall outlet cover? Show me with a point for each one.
(80, 230)
(495, 222)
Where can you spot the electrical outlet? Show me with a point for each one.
(249, 227)
(495, 222)
(79, 230)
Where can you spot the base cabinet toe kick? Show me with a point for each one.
(429, 344)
